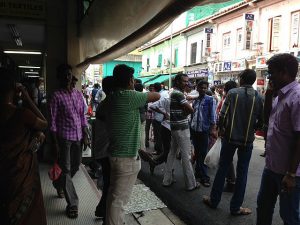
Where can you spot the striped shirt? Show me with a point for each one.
(241, 114)
(178, 119)
(124, 122)
(67, 114)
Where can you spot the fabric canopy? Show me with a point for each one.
(146, 79)
(114, 28)
(159, 79)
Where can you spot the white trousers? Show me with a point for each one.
(123, 176)
(181, 140)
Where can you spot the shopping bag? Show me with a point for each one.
(213, 156)
(55, 172)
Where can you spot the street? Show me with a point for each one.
(188, 205)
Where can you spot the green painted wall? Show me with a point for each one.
(109, 67)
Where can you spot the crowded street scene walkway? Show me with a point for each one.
(150, 113)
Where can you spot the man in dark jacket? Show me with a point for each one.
(241, 113)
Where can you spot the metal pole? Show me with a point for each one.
(171, 56)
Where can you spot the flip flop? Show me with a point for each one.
(205, 183)
(194, 188)
(242, 212)
(206, 201)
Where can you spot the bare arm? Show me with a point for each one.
(187, 108)
(153, 96)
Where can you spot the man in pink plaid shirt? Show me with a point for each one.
(68, 129)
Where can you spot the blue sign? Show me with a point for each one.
(227, 66)
(209, 30)
(249, 16)
(198, 73)
(217, 82)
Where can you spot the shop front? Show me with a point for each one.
(228, 70)
(196, 73)
(261, 73)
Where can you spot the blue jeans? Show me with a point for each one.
(270, 188)
(227, 152)
(200, 142)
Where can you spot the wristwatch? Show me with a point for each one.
(291, 174)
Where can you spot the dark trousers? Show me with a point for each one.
(270, 189)
(200, 141)
(69, 162)
(166, 142)
(147, 129)
(157, 136)
(226, 156)
(105, 164)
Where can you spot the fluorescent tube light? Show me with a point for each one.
(23, 52)
(28, 72)
(33, 76)
(30, 67)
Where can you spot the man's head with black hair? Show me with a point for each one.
(229, 85)
(123, 77)
(64, 75)
(202, 87)
(108, 85)
(138, 87)
(157, 87)
(180, 81)
(247, 77)
(282, 69)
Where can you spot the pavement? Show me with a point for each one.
(188, 206)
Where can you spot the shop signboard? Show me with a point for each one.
(209, 30)
(227, 66)
(249, 16)
(260, 82)
(261, 62)
(217, 82)
(238, 65)
(198, 73)
(34, 9)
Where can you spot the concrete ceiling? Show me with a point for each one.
(32, 35)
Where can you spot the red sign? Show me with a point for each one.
(261, 82)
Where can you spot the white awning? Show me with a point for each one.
(114, 28)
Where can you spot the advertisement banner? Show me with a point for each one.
(238, 65)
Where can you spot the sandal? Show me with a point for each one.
(205, 183)
(206, 201)
(72, 212)
(194, 188)
(242, 212)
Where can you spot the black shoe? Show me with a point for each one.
(100, 213)
(263, 154)
(229, 187)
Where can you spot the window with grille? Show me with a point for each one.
(148, 64)
(274, 33)
(295, 30)
(226, 40)
(159, 60)
(193, 52)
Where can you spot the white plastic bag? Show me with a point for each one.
(213, 156)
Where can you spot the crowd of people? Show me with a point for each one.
(186, 122)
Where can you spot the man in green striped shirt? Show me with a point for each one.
(124, 130)
(179, 110)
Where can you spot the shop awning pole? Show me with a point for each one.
(171, 55)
